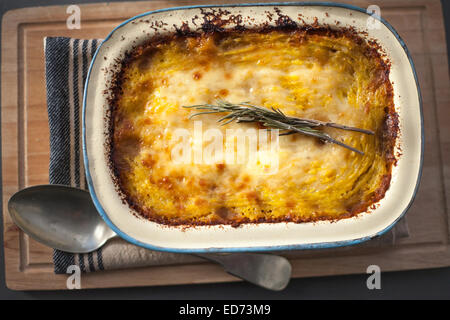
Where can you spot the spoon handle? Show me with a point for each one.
(266, 270)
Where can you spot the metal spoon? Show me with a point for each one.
(65, 218)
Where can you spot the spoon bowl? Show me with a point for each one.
(60, 217)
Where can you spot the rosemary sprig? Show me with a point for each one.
(274, 118)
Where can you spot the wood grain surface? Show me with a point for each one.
(25, 149)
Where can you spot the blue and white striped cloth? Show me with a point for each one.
(66, 65)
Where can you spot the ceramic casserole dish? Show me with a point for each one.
(375, 221)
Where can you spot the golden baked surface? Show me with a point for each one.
(328, 76)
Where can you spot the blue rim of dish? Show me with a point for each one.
(321, 245)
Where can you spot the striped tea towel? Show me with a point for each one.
(67, 61)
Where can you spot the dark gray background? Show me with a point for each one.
(422, 284)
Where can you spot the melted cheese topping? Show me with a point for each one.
(328, 78)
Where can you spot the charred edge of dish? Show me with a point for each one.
(239, 221)
(214, 22)
(185, 223)
(113, 94)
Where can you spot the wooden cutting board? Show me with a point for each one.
(25, 149)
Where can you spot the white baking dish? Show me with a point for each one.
(264, 236)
